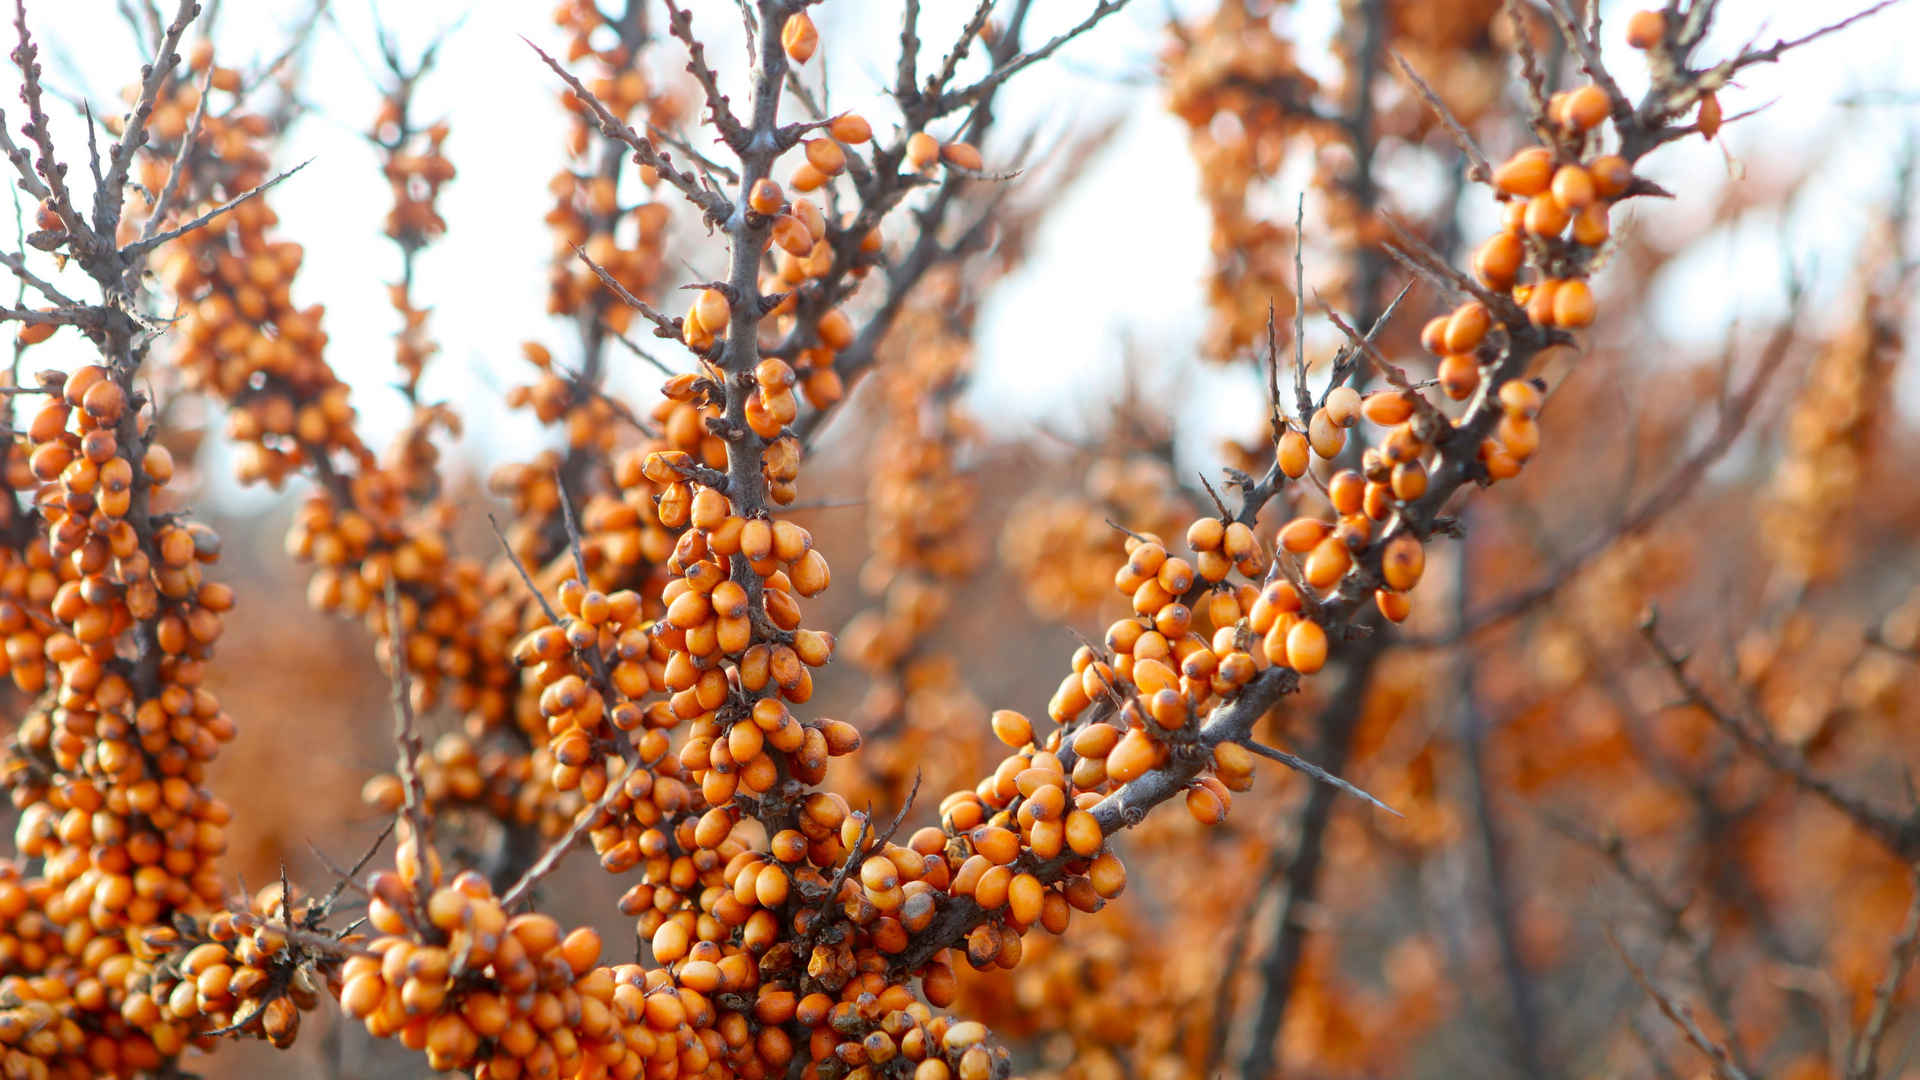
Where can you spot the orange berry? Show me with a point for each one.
(1306, 647)
(799, 38)
(712, 309)
(1709, 117)
(825, 155)
(1500, 464)
(1573, 305)
(1012, 728)
(766, 197)
(1402, 562)
(1545, 215)
(1133, 756)
(1520, 435)
(1328, 562)
(1083, 833)
(1520, 396)
(1466, 327)
(961, 155)
(1301, 534)
(1590, 226)
(1346, 490)
(808, 177)
(1387, 407)
(1207, 806)
(1585, 108)
(1409, 481)
(922, 150)
(1645, 29)
(1572, 187)
(1540, 302)
(1498, 261)
(1459, 376)
(1395, 606)
(850, 128)
(1611, 175)
(1326, 437)
(1343, 405)
(1526, 173)
(1291, 454)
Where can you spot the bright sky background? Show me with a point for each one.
(1120, 262)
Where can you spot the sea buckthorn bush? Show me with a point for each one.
(1413, 648)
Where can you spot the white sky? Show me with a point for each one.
(1122, 257)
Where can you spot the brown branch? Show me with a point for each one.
(1682, 1017)
(1865, 1048)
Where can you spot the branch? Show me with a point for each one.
(132, 252)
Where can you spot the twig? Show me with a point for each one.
(666, 326)
(132, 252)
(1865, 1048)
(1479, 169)
(1682, 1017)
(407, 749)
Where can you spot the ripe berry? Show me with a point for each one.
(1526, 173)
(799, 38)
(1645, 29)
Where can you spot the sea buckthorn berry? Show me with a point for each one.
(1012, 728)
(1327, 437)
(1497, 263)
(1343, 405)
(1611, 175)
(1306, 647)
(713, 310)
(1132, 756)
(1345, 491)
(1301, 534)
(791, 235)
(1206, 534)
(1545, 215)
(1395, 606)
(825, 155)
(808, 177)
(1459, 376)
(1409, 481)
(922, 150)
(1645, 29)
(766, 197)
(1387, 407)
(1433, 335)
(1573, 187)
(1709, 117)
(961, 155)
(1585, 108)
(1328, 562)
(851, 128)
(1207, 806)
(1291, 454)
(1590, 226)
(1520, 396)
(799, 38)
(1539, 302)
(1466, 327)
(1525, 174)
(1520, 435)
(1402, 562)
(1499, 463)
(1000, 846)
(1573, 305)
(1108, 875)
